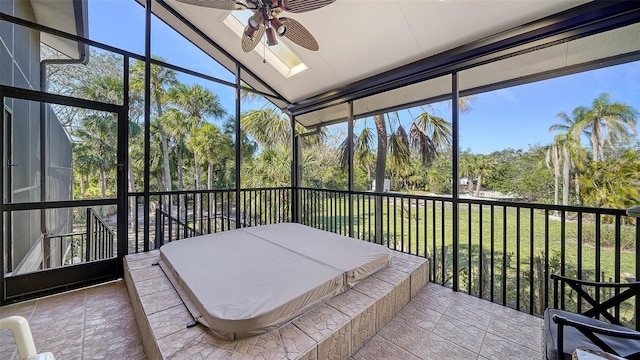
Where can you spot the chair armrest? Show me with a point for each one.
(556, 278)
(590, 331)
(19, 326)
(596, 329)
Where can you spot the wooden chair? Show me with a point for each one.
(564, 331)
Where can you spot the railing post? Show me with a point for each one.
(238, 148)
(295, 160)
(159, 233)
(455, 97)
(350, 167)
(89, 237)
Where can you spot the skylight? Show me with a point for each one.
(279, 56)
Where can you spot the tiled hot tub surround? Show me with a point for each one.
(333, 330)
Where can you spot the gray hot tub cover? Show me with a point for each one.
(246, 282)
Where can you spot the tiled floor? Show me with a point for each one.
(92, 323)
(98, 323)
(442, 324)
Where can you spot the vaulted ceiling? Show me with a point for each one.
(360, 40)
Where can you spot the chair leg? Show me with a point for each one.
(560, 340)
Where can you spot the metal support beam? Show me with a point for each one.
(455, 146)
(238, 147)
(295, 181)
(350, 167)
(3, 246)
(123, 172)
(147, 121)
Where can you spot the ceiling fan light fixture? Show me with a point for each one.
(251, 32)
(278, 26)
(255, 20)
(271, 37)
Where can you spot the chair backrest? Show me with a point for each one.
(597, 308)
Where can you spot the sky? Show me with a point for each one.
(516, 117)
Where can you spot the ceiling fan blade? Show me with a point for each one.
(248, 43)
(216, 4)
(299, 6)
(299, 34)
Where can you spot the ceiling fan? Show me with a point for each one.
(265, 19)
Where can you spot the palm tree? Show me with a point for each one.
(110, 89)
(192, 104)
(481, 166)
(362, 146)
(97, 141)
(212, 145)
(174, 120)
(428, 135)
(466, 170)
(605, 122)
(554, 160)
(161, 79)
(565, 155)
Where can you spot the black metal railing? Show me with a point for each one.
(169, 228)
(505, 250)
(100, 238)
(181, 214)
(95, 242)
(70, 248)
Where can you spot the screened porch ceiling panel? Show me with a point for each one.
(523, 68)
(359, 39)
(64, 15)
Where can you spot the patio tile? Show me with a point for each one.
(417, 313)
(386, 303)
(402, 333)
(146, 273)
(142, 260)
(362, 309)
(184, 340)
(379, 348)
(330, 328)
(434, 301)
(154, 285)
(114, 342)
(458, 332)
(464, 310)
(66, 346)
(58, 316)
(288, 342)
(159, 301)
(435, 347)
(401, 282)
(419, 279)
(404, 264)
(169, 321)
(24, 309)
(495, 347)
(524, 330)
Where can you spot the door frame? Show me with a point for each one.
(47, 281)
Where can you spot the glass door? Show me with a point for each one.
(64, 193)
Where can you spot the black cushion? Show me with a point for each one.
(574, 338)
